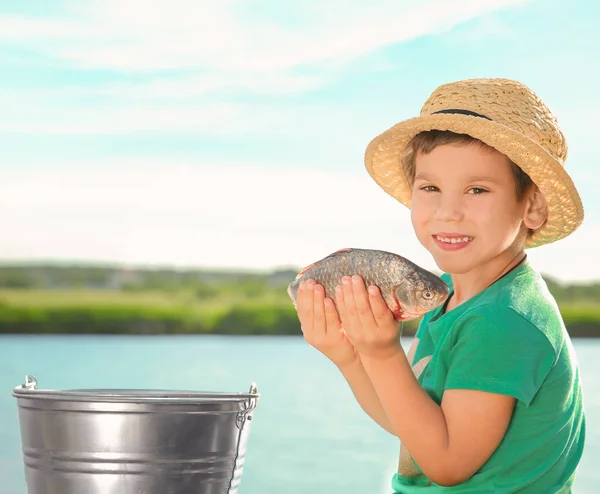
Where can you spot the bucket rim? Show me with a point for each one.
(29, 390)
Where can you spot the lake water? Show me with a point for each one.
(308, 433)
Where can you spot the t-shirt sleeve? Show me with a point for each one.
(499, 351)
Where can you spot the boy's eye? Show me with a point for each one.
(429, 188)
(477, 190)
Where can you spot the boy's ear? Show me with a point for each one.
(535, 213)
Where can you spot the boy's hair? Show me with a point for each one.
(426, 141)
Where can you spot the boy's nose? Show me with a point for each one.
(449, 209)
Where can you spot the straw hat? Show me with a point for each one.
(504, 114)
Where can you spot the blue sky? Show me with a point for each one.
(229, 133)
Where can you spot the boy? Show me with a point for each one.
(489, 398)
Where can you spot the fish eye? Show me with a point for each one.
(427, 294)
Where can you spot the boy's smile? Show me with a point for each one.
(451, 241)
(465, 209)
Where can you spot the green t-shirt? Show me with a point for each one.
(508, 339)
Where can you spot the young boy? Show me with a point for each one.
(489, 398)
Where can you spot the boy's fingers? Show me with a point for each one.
(381, 311)
(341, 305)
(349, 305)
(331, 316)
(305, 306)
(319, 323)
(361, 300)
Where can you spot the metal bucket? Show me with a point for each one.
(113, 441)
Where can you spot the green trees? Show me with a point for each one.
(113, 300)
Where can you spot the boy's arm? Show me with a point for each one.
(449, 442)
(365, 393)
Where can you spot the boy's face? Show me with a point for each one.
(464, 207)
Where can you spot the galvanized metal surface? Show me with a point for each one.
(133, 441)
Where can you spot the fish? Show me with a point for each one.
(408, 290)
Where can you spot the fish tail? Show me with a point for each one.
(292, 291)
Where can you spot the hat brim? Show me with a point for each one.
(565, 209)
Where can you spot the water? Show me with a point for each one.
(308, 435)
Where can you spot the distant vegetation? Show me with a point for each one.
(112, 300)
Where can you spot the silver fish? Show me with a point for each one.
(408, 290)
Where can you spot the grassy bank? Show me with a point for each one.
(105, 312)
(184, 312)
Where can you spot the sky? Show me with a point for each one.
(231, 134)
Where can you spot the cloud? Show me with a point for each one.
(54, 118)
(484, 30)
(187, 213)
(179, 87)
(240, 197)
(191, 86)
(135, 35)
(181, 214)
(25, 113)
(572, 258)
(187, 65)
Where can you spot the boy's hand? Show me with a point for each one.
(320, 324)
(368, 321)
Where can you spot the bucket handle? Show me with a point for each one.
(30, 383)
(246, 412)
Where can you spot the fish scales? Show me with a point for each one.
(406, 288)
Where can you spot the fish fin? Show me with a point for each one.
(304, 270)
(333, 254)
(396, 307)
(340, 251)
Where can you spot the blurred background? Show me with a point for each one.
(168, 167)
